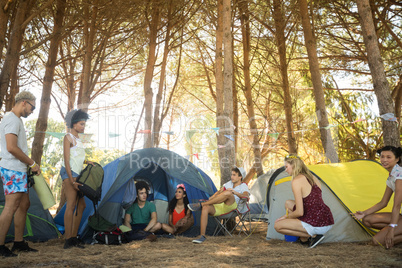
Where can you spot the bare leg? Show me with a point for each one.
(157, 226)
(20, 218)
(186, 225)
(168, 229)
(291, 227)
(77, 216)
(379, 238)
(71, 196)
(206, 210)
(10, 207)
(377, 220)
(290, 204)
(225, 197)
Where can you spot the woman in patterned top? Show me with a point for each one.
(307, 216)
(389, 223)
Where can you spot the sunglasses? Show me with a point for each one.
(33, 107)
(292, 157)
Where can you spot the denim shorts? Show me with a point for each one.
(311, 230)
(14, 181)
(64, 175)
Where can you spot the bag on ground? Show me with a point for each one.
(116, 237)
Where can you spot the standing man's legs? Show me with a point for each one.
(20, 217)
(10, 207)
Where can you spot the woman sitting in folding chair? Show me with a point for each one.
(223, 201)
(180, 217)
(308, 217)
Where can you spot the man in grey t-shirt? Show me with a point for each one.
(13, 167)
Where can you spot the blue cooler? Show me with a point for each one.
(290, 238)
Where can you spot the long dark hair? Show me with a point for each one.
(397, 151)
(173, 202)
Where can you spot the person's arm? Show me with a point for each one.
(171, 219)
(380, 205)
(67, 142)
(152, 222)
(396, 208)
(12, 148)
(297, 192)
(127, 220)
(244, 194)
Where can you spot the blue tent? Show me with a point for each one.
(161, 169)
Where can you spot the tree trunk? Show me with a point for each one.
(157, 124)
(376, 65)
(220, 121)
(41, 123)
(245, 27)
(14, 46)
(229, 159)
(14, 89)
(280, 24)
(149, 72)
(89, 37)
(326, 138)
(5, 7)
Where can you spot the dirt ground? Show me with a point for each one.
(237, 251)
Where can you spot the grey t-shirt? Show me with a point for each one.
(12, 124)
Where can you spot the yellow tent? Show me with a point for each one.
(347, 187)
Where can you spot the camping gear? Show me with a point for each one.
(91, 179)
(116, 237)
(98, 223)
(290, 238)
(237, 218)
(346, 188)
(258, 196)
(43, 191)
(39, 224)
(161, 169)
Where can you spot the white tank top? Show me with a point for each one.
(77, 155)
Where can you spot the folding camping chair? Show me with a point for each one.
(241, 215)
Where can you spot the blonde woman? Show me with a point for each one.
(308, 217)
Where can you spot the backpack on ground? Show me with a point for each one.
(116, 237)
(105, 232)
(91, 178)
(100, 224)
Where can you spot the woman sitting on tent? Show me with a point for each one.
(74, 158)
(307, 216)
(180, 217)
(390, 223)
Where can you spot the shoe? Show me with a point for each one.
(69, 243)
(316, 240)
(194, 206)
(151, 238)
(77, 242)
(80, 241)
(5, 252)
(304, 243)
(72, 242)
(22, 247)
(200, 240)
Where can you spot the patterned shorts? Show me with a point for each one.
(14, 181)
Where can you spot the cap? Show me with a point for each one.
(242, 172)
